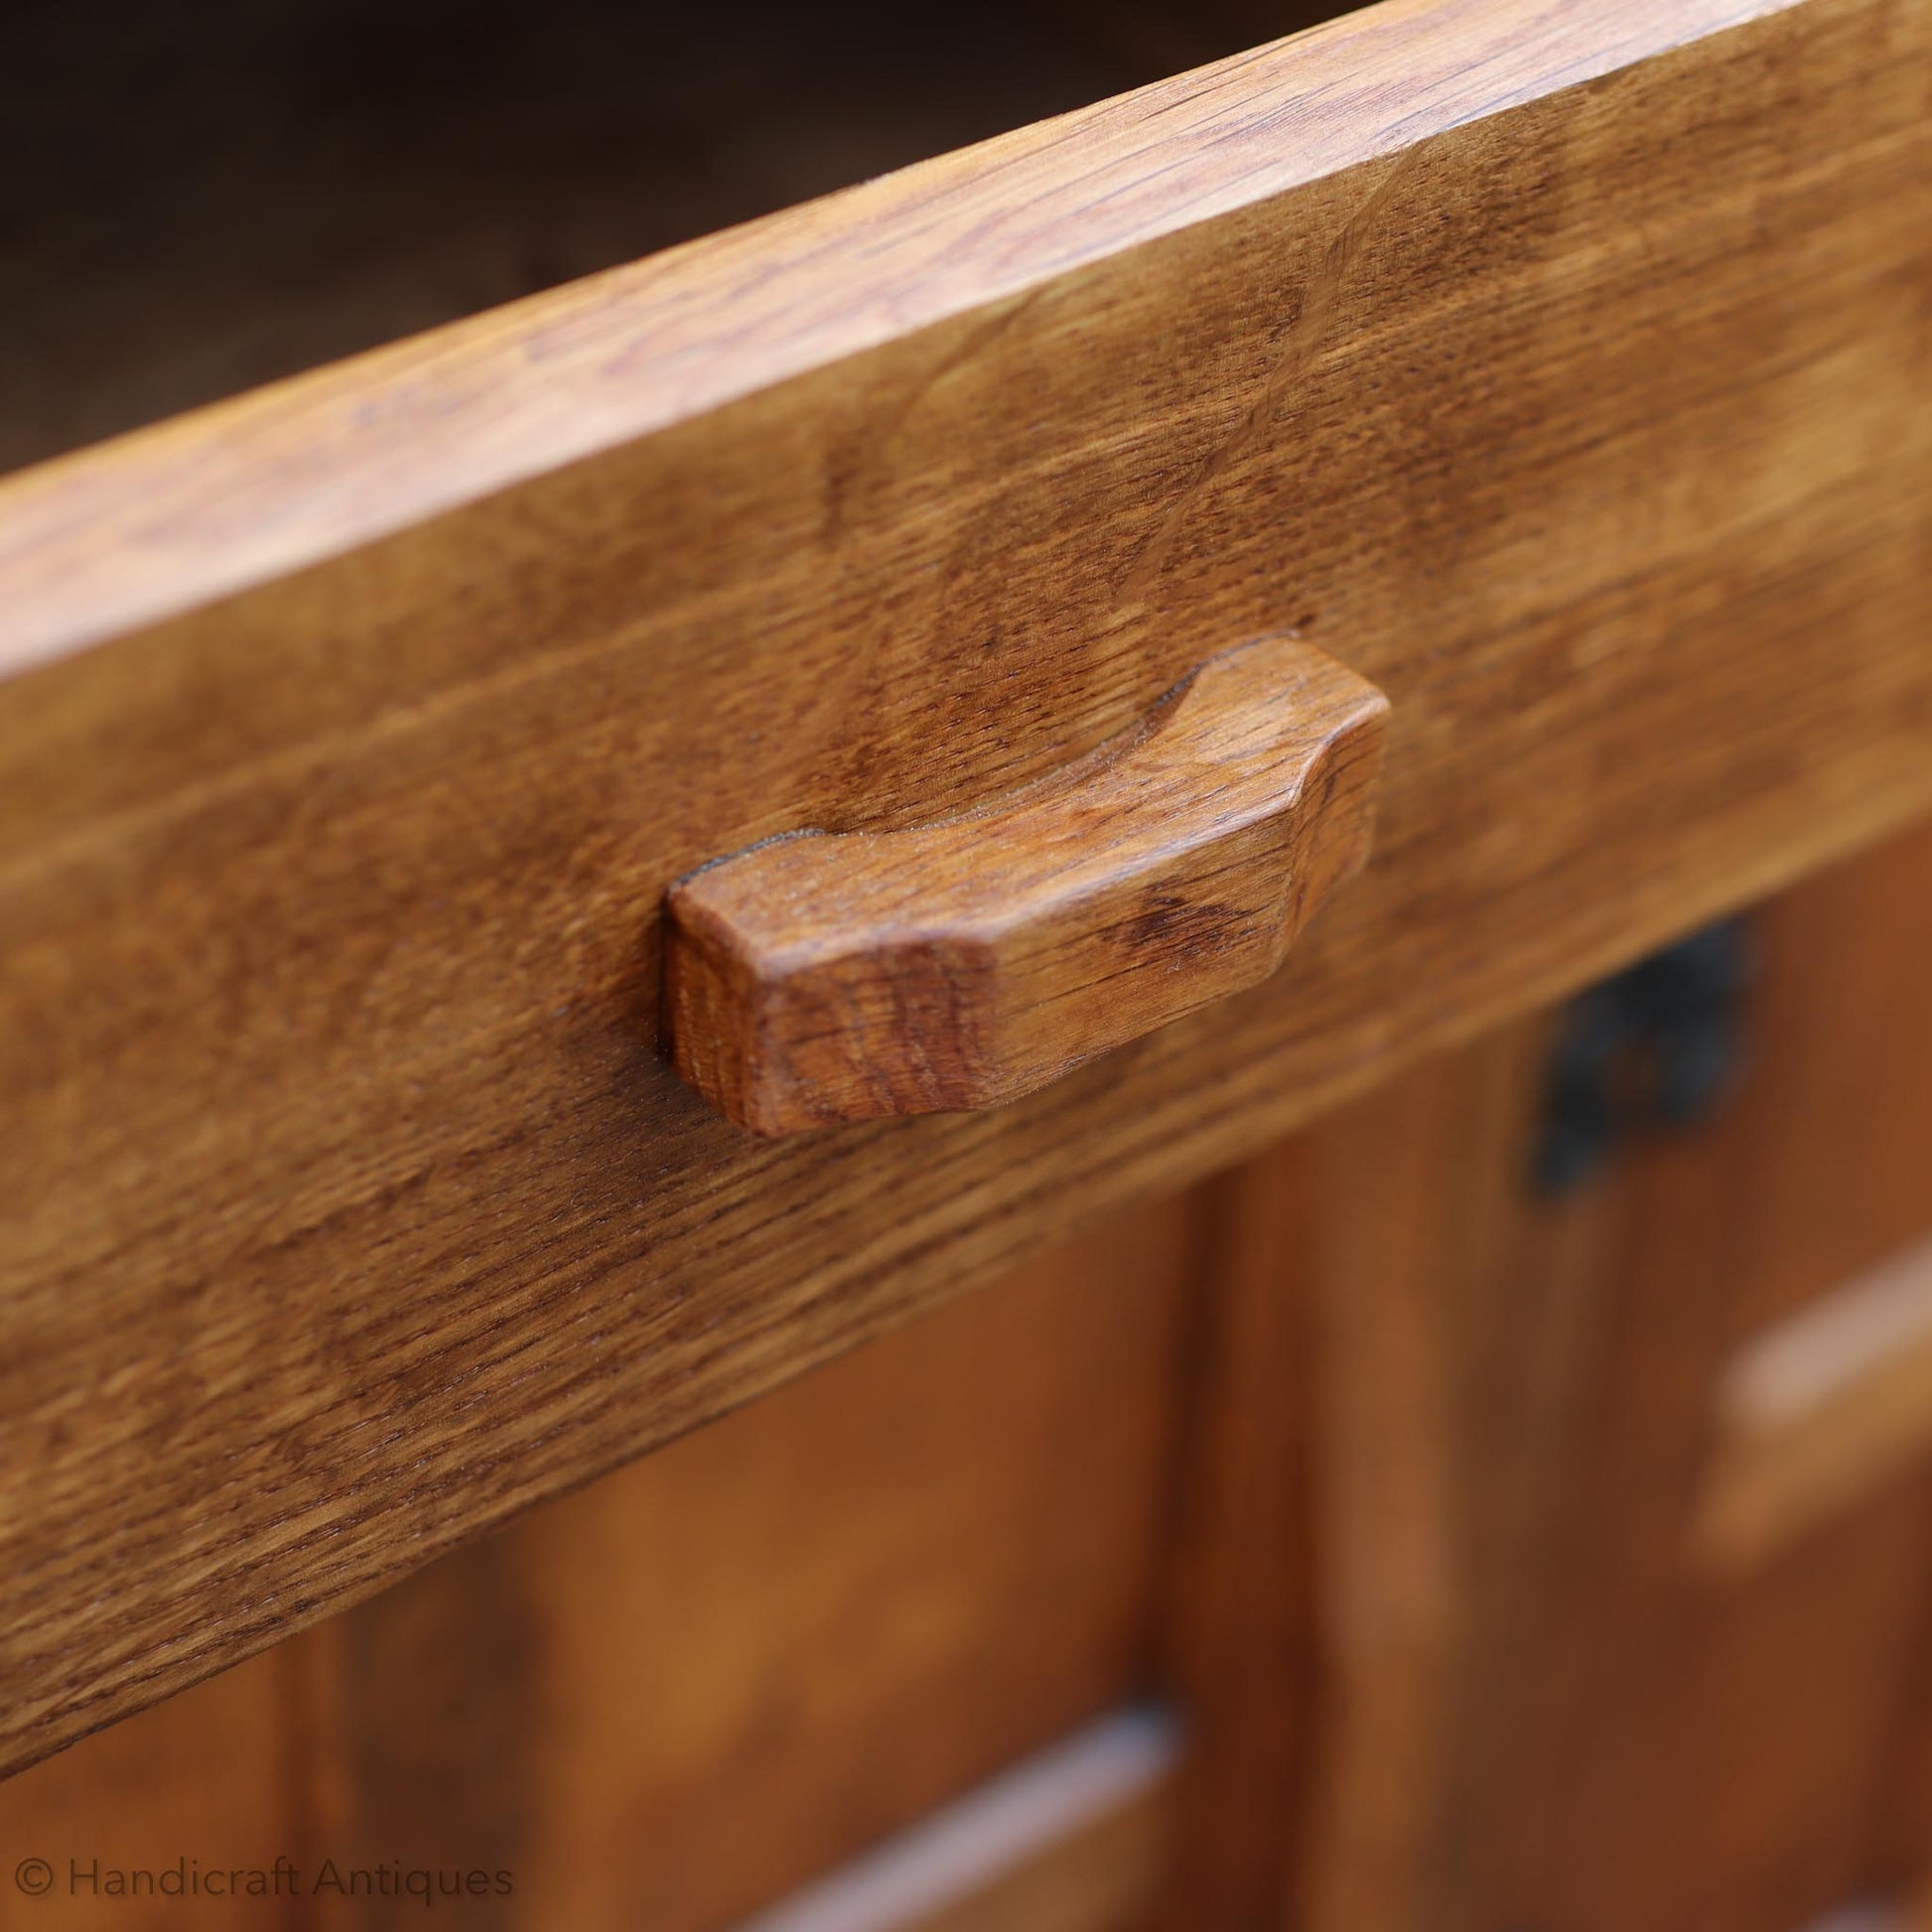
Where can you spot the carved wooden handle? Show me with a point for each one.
(826, 978)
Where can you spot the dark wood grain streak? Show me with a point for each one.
(352, 1207)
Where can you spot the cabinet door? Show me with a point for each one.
(1620, 1526)
(1558, 368)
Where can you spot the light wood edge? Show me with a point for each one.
(1871, 1916)
(1067, 1841)
(149, 525)
(1817, 1413)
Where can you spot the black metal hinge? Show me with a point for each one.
(1659, 1046)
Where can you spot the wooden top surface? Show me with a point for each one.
(168, 518)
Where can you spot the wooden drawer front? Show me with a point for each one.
(1559, 368)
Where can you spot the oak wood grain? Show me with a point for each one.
(711, 1679)
(352, 1207)
(1239, 1629)
(717, 1675)
(817, 980)
(177, 517)
(1504, 1412)
(1744, 1730)
(1433, 1333)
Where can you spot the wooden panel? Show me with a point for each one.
(1814, 1415)
(706, 1680)
(1323, 1609)
(203, 1784)
(1864, 1915)
(1370, 1245)
(1742, 1734)
(1517, 1696)
(353, 1207)
(1416, 1321)
(1071, 1842)
(1239, 1636)
(711, 1678)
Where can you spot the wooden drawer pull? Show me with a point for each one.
(823, 978)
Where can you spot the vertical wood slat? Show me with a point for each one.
(1237, 1631)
